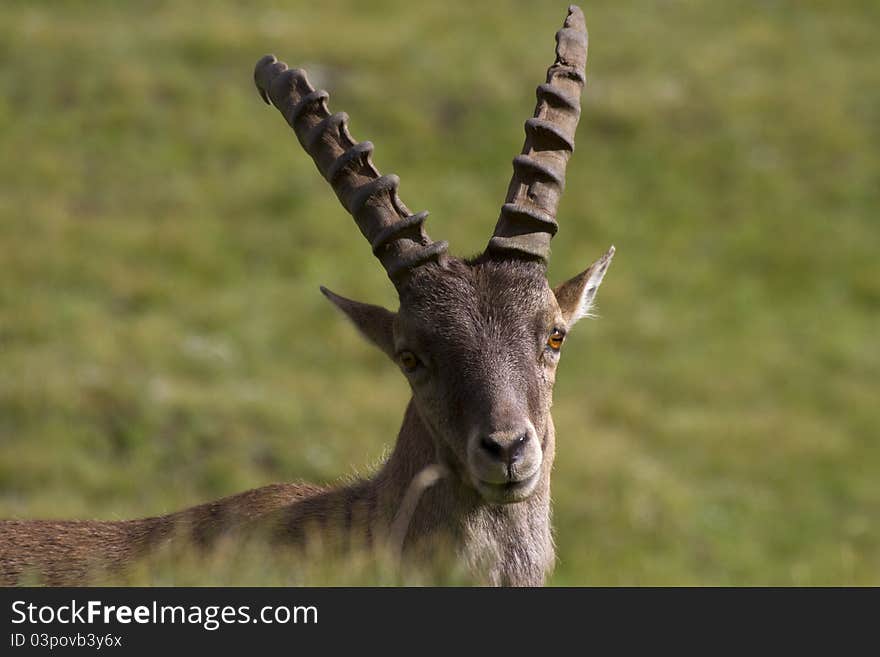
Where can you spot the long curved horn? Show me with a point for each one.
(397, 235)
(528, 216)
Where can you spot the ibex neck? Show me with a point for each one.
(512, 544)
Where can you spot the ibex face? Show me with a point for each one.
(475, 338)
(478, 340)
(479, 343)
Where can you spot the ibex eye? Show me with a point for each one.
(555, 340)
(409, 360)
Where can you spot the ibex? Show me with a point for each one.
(478, 340)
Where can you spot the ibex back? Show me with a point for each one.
(478, 340)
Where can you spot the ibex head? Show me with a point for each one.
(478, 340)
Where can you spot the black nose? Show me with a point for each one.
(506, 449)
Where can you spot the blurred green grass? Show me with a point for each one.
(162, 238)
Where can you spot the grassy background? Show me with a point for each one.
(162, 239)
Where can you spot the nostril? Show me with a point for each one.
(491, 446)
(517, 447)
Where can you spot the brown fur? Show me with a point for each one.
(68, 552)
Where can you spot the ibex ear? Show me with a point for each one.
(575, 296)
(374, 322)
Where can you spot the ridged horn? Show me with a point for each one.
(528, 216)
(397, 235)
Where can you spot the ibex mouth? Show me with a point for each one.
(508, 492)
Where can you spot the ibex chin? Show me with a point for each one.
(478, 340)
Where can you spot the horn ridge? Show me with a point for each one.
(341, 163)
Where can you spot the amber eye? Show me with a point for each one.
(555, 340)
(409, 360)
